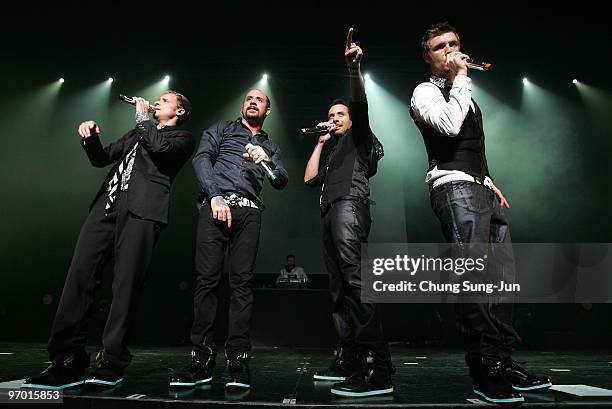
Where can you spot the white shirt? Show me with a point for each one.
(299, 273)
(429, 106)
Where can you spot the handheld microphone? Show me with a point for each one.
(478, 65)
(318, 129)
(132, 102)
(271, 175)
(266, 167)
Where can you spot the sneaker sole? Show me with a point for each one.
(68, 385)
(329, 378)
(100, 382)
(200, 382)
(237, 385)
(495, 400)
(532, 388)
(361, 394)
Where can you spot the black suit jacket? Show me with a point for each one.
(159, 157)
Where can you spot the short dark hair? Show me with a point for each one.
(184, 103)
(340, 101)
(434, 31)
(291, 256)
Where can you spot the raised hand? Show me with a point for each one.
(352, 52)
(326, 136)
(142, 105)
(457, 62)
(85, 128)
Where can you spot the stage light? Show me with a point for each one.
(110, 79)
(574, 81)
(525, 80)
(264, 77)
(367, 77)
(167, 78)
(61, 80)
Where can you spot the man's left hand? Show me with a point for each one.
(255, 153)
(353, 54)
(500, 196)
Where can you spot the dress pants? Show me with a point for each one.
(118, 237)
(471, 213)
(213, 240)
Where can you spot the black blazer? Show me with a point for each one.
(159, 157)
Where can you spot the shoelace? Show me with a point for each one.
(239, 362)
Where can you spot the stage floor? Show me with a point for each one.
(283, 376)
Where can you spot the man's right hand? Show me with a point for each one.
(85, 128)
(220, 210)
(457, 62)
(142, 105)
(327, 136)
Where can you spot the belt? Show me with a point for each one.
(458, 178)
(234, 200)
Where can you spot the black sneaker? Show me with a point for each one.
(105, 375)
(199, 371)
(522, 380)
(490, 382)
(345, 365)
(373, 379)
(65, 372)
(238, 371)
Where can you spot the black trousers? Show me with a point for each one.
(125, 240)
(346, 226)
(213, 240)
(471, 213)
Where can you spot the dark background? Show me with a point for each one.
(548, 144)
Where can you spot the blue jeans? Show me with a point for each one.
(471, 213)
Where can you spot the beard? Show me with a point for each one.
(252, 115)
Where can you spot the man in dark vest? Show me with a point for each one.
(363, 364)
(469, 206)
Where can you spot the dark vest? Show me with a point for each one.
(346, 172)
(464, 152)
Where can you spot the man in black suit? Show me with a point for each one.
(123, 224)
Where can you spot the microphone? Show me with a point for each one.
(478, 65)
(271, 175)
(132, 102)
(266, 167)
(318, 129)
